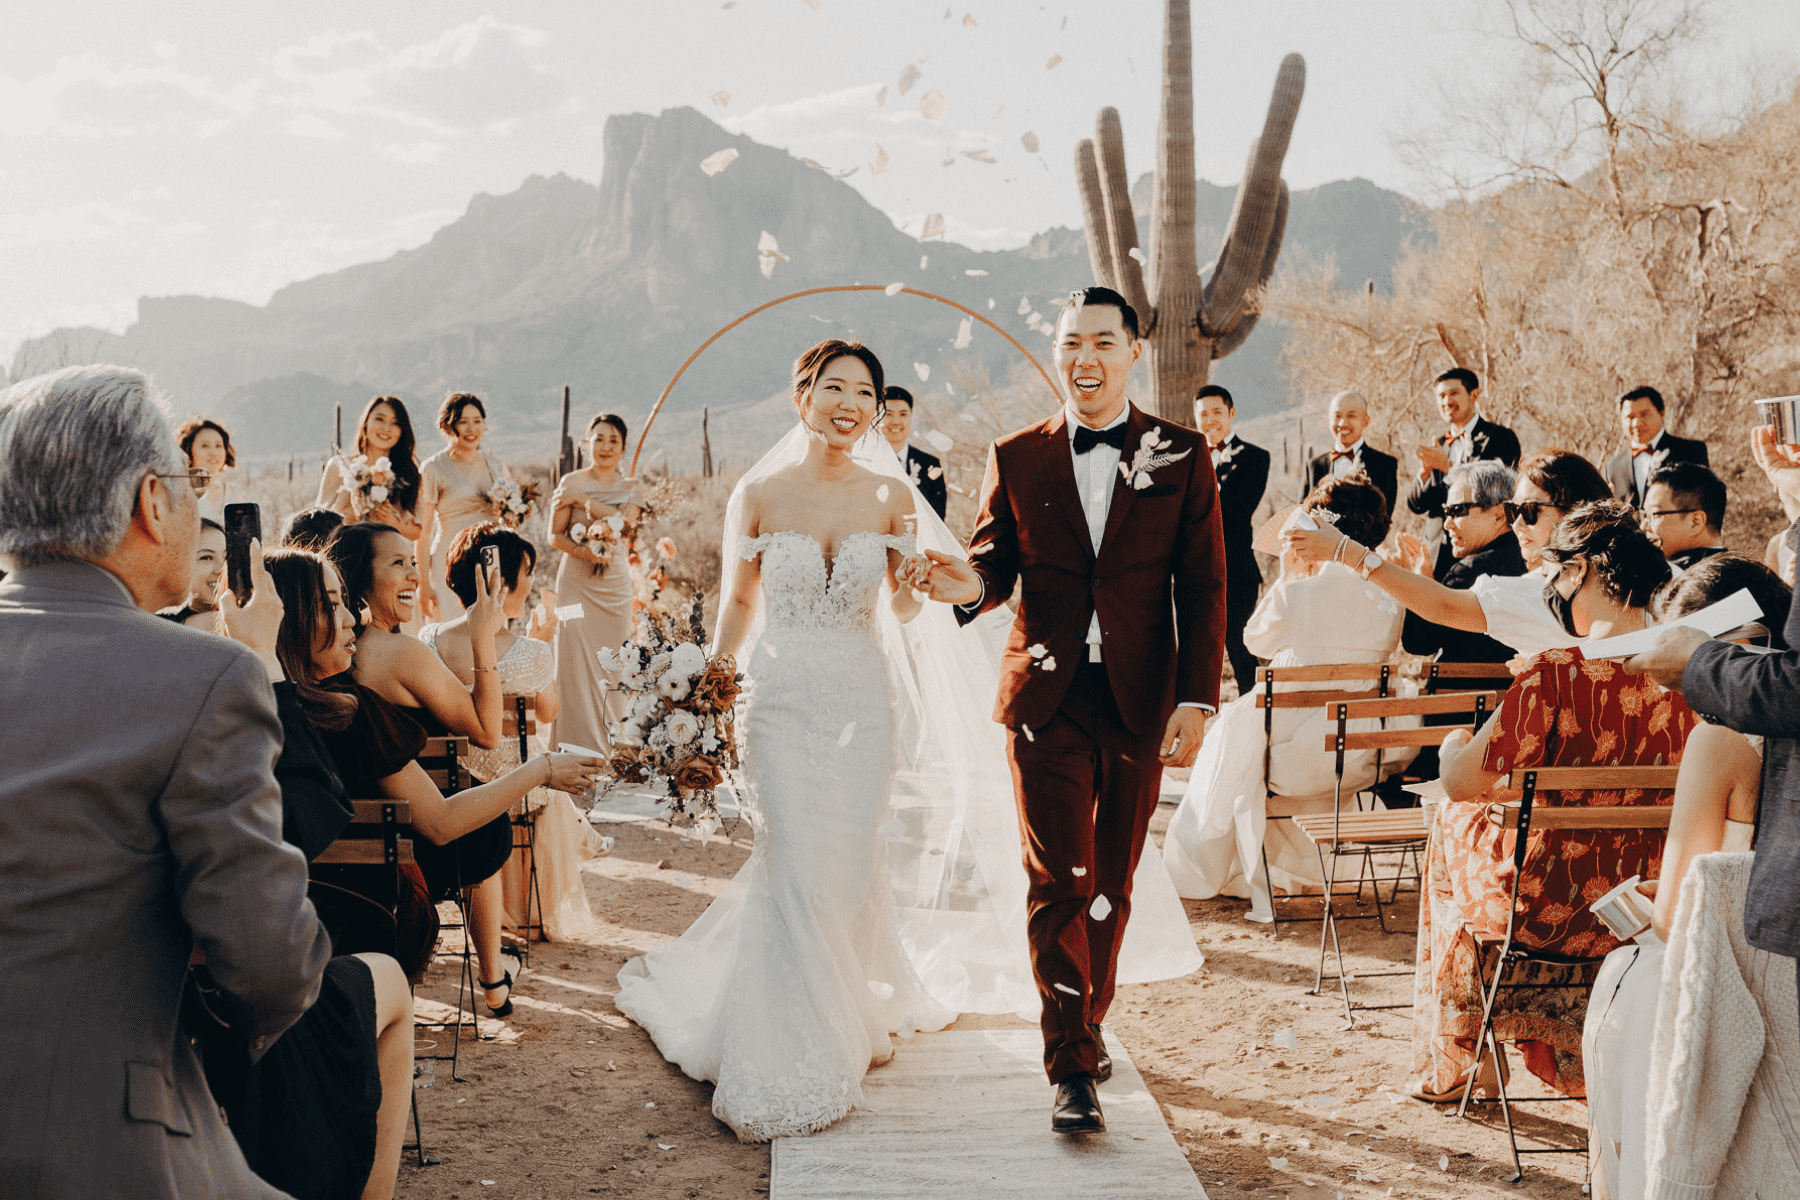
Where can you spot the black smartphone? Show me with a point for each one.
(490, 562)
(243, 523)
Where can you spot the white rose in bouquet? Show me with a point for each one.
(674, 686)
(682, 727)
(688, 660)
(660, 664)
(609, 660)
(382, 464)
(378, 493)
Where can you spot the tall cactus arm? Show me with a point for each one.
(1172, 212)
(1253, 214)
(1093, 214)
(1121, 220)
(1232, 338)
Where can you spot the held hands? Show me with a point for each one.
(1665, 661)
(914, 572)
(258, 623)
(1181, 739)
(951, 580)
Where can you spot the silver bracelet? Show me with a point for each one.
(1340, 547)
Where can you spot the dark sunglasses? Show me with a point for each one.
(1529, 511)
(1459, 511)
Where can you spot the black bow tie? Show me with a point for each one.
(1086, 439)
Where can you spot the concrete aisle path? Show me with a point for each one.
(967, 1114)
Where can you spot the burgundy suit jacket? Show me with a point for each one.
(1158, 582)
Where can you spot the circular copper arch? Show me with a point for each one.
(644, 434)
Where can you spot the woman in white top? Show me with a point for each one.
(1509, 609)
(527, 667)
(209, 452)
(1715, 809)
(1315, 613)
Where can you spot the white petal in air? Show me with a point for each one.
(1030, 141)
(923, 371)
(935, 473)
(766, 244)
(1026, 730)
(990, 303)
(881, 96)
(881, 493)
(969, 20)
(939, 440)
(713, 163)
(1049, 663)
(978, 155)
(1055, 61)
(848, 733)
(934, 227)
(909, 75)
(1286, 1040)
(894, 289)
(965, 333)
(1024, 305)
(924, 261)
(1078, 872)
(881, 989)
(1063, 987)
(976, 273)
(766, 264)
(1037, 650)
(932, 105)
(1443, 1162)
(721, 98)
(812, 4)
(1139, 255)
(878, 162)
(845, 174)
(1100, 909)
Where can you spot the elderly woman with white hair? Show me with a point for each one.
(1475, 522)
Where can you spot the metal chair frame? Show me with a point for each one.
(525, 838)
(1523, 818)
(442, 759)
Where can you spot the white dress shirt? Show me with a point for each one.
(1218, 451)
(1643, 465)
(1460, 449)
(1346, 466)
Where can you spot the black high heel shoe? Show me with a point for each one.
(505, 1007)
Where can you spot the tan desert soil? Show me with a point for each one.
(571, 1100)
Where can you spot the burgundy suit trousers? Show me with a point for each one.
(1086, 788)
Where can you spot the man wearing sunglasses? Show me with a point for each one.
(1684, 513)
(1649, 446)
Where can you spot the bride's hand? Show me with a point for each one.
(914, 572)
(952, 580)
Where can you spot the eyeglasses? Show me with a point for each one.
(1530, 511)
(198, 480)
(1651, 514)
(1456, 512)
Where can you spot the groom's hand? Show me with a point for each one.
(952, 580)
(1181, 740)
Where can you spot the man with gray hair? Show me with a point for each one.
(1481, 543)
(140, 819)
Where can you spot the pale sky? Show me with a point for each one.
(226, 150)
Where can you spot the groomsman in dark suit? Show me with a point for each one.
(1469, 436)
(1649, 446)
(1349, 418)
(1243, 473)
(926, 470)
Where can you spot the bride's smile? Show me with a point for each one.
(841, 406)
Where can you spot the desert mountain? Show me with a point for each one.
(609, 288)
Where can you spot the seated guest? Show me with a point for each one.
(1684, 513)
(1313, 614)
(201, 611)
(1562, 710)
(382, 582)
(323, 1114)
(1469, 436)
(1648, 447)
(1508, 608)
(527, 668)
(1482, 544)
(1349, 417)
(139, 816)
(311, 528)
(926, 470)
(1243, 474)
(1715, 809)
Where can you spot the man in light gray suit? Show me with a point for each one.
(140, 819)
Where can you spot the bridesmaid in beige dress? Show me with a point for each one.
(383, 431)
(453, 495)
(599, 582)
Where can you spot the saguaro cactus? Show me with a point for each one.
(1199, 314)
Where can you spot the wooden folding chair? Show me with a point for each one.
(444, 760)
(1437, 677)
(1403, 830)
(1268, 699)
(1525, 817)
(524, 823)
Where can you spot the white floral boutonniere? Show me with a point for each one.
(1149, 457)
(1230, 451)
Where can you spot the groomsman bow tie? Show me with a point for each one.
(1086, 439)
(1637, 450)
(1337, 454)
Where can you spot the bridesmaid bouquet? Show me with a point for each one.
(603, 535)
(511, 502)
(369, 482)
(678, 728)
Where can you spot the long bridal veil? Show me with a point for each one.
(954, 843)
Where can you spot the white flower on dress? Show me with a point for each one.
(1149, 457)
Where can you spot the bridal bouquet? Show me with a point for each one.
(369, 482)
(511, 502)
(678, 726)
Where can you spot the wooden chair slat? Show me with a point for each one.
(1387, 739)
(1584, 816)
(1472, 671)
(1596, 778)
(1408, 706)
(1404, 825)
(1322, 673)
(1311, 699)
(370, 812)
(363, 852)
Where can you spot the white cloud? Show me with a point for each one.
(975, 237)
(477, 75)
(311, 125)
(95, 220)
(849, 123)
(88, 95)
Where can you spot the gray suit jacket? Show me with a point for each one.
(1757, 693)
(139, 816)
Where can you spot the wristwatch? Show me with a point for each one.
(1371, 563)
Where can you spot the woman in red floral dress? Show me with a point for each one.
(1564, 711)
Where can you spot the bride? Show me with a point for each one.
(884, 893)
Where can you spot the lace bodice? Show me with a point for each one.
(800, 590)
(527, 667)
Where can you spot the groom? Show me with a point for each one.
(1109, 518)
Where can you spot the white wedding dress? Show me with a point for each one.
(787, 988)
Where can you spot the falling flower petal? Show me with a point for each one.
(932, 105)
(817, 166)
(924, 261)
(882, 990)
(1037, 650)
(652, 1104)
(1063, 987)
(771, 649)
(909, 75)
(990, 303)
(766, 245)
(935, 473)
(1139, 255)
(934, 227)
(881, 493)
(881, 96)
(998, 111)
(1055, 61)
(845, 174)
(923, 371)
(969, 20)
(712, 164)
(1030, 141)
(1443, 1162)
(1049, 663)
(767, 264)
(965, 333)
(1100, 909)
(974, 273)
(848, 733)
(1286, 1040)
(1024, 729)
(721, 98)
(894, 289)
(1078, 872)
(665, 1145)
(938, 439)
(1024, 301)
(981, 155)
(878, 162)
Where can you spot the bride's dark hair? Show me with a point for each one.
(809, 366)
(1359, 507)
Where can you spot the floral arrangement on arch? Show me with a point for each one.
(678, 728)
(369, 483)
(512, 502)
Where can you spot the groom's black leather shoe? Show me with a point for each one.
(1077, 1106)
(1103, 1071)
